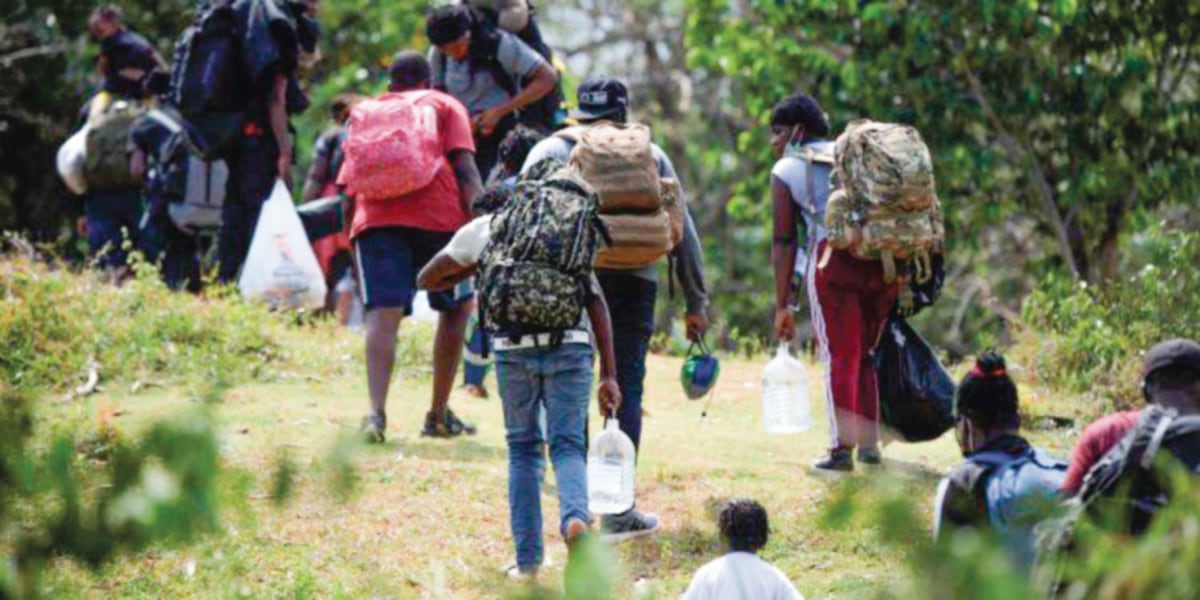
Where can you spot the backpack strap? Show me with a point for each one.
(571, 134)
(164, 119)
(1121, 458)
(439, 67)
(1147, 459)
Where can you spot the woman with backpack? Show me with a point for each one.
(1005, 486)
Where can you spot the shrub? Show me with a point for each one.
(161, 488)
(1082, 338)
(56, 326)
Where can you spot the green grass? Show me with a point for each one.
(428, 518)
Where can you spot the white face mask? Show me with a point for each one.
(794, 142)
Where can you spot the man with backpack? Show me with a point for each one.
(645, 212)
(112, 204)
(128, 62)
(407, 206)
(501, 185)
(541, 301)
(491, 71)
(184, 194)
(1125, 448)
(882, 228)
(333, 251)
(233, 78)
(1005, 486)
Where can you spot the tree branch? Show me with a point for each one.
(1039, 183)
(7, 60)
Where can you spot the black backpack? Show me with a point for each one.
(1126, 475)
(544, 115)
(1123, 482)
(193, 186)
(209, 82)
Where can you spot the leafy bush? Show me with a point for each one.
(1081, 338)
(56, 326)
(972, 564)
(160, 488)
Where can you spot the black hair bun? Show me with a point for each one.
(991, 364)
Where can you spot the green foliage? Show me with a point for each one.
(1049, 121)
(56, 326)
(59, 327)
(1081, 338)
(971, 563)
(158, 489)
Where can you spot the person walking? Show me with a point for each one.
(546, 373)
(395, 236)
(631, 292)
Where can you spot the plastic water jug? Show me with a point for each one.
(610, 471)
(785, 401)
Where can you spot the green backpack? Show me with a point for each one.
(534, 273)
(106, 166)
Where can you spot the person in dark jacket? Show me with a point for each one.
(263, 150)
(127, 60)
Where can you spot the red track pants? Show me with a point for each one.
(850, 306)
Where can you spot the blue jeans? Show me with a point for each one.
(561, 380)
(112, 217)
(631, 307)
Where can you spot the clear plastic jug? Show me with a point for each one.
(610, 471)
(785, 402)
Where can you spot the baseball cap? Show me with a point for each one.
(600, 97)
(1172, 353)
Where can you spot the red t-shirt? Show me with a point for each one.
(435, 207)
(1097, 439)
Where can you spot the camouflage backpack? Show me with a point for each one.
(887, 208)
(533, 275)
(106, 166)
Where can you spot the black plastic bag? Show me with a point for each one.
(323, 217)
(916, 394)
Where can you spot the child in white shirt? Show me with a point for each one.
(741, 574)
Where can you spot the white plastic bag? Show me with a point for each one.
(71, 156)
(281, 267)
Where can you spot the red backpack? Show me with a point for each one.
(393, 148)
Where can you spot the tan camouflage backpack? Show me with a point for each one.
(887, 208)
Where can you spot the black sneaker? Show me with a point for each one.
(627, 525)
(839, 459)
(870, 455)
(373, 427)
(451, 426)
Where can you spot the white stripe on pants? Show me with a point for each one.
(818, 323)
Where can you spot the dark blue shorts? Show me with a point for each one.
(389, 259)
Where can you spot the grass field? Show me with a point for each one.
(428, 518)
